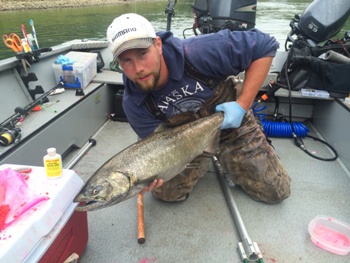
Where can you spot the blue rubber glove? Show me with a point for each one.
(233, 114)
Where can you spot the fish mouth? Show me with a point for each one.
(90, 205)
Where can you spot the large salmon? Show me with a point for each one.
(162, 155)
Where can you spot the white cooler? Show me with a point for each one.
(50, 231)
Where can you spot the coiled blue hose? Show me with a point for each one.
(280, 129)
(284, 129)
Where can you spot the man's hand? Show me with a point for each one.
(155, 184)
(233, 114)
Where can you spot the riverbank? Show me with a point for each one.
(10, 5)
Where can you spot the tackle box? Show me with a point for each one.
(52, 230)
(79, 74)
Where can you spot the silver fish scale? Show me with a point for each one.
(165, 154)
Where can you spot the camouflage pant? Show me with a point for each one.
(249, 160)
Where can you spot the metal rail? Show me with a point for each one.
(92, 142)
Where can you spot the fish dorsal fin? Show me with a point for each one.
(161, 127)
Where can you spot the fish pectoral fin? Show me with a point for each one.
(150, 180)
(139, 185)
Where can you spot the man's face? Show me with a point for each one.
(142, 66)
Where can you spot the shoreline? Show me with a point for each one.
(47, 4)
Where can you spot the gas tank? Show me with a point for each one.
(323, 19)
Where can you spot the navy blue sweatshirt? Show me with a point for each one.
(215, 55)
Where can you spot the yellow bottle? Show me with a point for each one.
(53, 164)
(25, 45)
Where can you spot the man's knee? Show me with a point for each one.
(265, 192)
(253, 164)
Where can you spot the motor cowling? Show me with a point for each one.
(215, 15)
(323, 19)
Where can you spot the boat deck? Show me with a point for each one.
(202, 229)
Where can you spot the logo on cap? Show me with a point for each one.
(123, 32)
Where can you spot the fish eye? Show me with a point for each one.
(95, 191)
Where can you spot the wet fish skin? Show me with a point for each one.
(162, 155)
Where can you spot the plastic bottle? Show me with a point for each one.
(53, 164)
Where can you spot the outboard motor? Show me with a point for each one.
(321, 20)
(316, 60)
(215, 15)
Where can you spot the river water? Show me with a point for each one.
(54, 26)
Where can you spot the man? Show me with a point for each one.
(159, 87)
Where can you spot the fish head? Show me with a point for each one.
(102, 191)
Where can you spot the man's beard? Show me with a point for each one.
(150, 86)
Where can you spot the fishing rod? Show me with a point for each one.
(9, 133)
(170, 11)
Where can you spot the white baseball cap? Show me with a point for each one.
(130, 31)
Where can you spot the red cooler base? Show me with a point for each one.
(72, 239)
